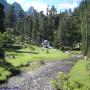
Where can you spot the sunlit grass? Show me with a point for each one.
(79, 76)
(76, 52)
(27, 55)
(4, 73)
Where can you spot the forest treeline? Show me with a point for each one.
(66, 31)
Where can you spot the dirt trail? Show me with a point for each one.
(41, 77)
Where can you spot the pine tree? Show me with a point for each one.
(11, 17)
(2, 28)
(60, 33)
(35, 30)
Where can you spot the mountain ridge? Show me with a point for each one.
(17, 7)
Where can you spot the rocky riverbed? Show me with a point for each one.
(40, 78)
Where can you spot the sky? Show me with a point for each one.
(41, 5)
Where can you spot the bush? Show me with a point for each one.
(47, 51)
(42, 62)
(32, 48)
(61, 82)
(78, 84)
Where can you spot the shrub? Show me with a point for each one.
(42, 62)
(47, 51)
(61, 82)
(78, 84)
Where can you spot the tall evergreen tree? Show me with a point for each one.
(84, 26)
(11, 17)
(2, 28)
(35, 30)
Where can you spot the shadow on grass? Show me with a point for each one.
(26, 52)
(12, 47)
(8, 66)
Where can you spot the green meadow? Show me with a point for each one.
(23, 57)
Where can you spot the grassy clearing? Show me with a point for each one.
(79, 76)
(21, 58)
(27, 55)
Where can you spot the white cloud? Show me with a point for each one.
(67, 5)
(39, 6)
